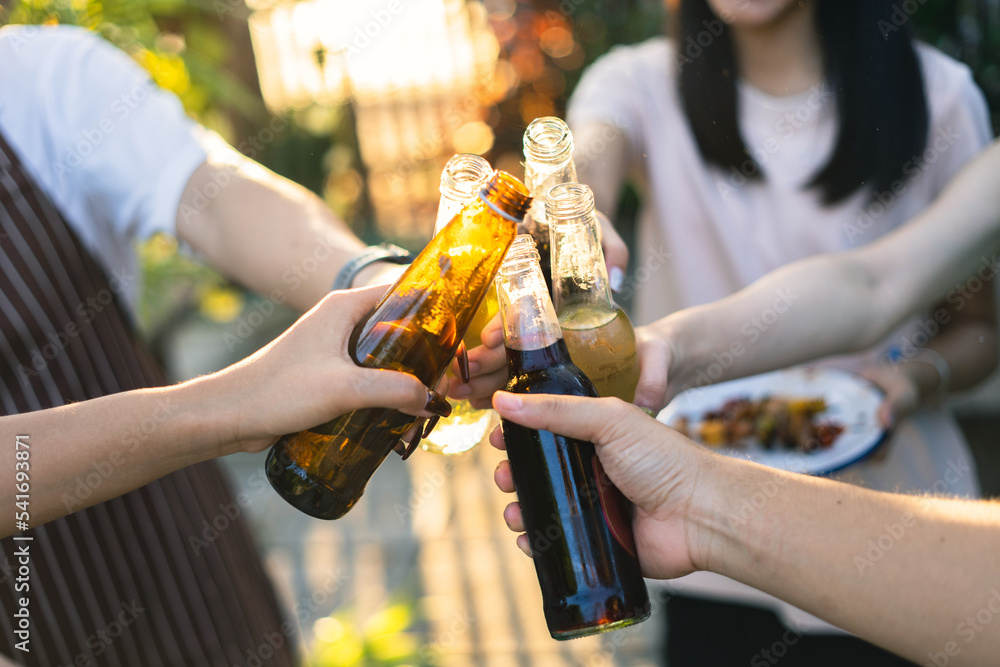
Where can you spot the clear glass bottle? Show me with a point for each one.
(576, 520)
(548, 161)
(415, 328)
(598, 333)
(461, 180)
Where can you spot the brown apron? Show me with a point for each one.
(131, 581)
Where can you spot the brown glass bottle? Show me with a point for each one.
(576, 520)
(415, 328)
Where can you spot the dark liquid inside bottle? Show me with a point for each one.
(580, 535)
(323, 471)
(540, 234)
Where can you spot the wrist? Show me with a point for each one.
(379, 273)
(682, 352)
(208, 422)
(727, 518)
(348, 276)
(926, 369)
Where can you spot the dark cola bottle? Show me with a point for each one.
(576, 520)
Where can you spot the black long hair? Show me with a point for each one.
(871, 65)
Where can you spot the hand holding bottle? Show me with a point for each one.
(652, 465)
(306, 376)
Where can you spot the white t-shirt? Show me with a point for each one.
(705, 233)
(111, 149)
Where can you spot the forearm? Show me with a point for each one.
(267, 233)
(81, 454)
(848, 301)
(782, 319)
(907, 573)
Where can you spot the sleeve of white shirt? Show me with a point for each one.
(609, 93)
(113, 150)
(959, 116)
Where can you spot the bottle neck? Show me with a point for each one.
(461, 180)
(526, 312)
(548, 160)
(579, 277)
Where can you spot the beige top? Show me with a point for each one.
(705, 233)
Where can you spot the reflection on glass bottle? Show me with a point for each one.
(463, 177)
(415, 328)
(548, 161)
(576, 520)
(598, 333)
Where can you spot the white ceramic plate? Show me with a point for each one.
(851, 401)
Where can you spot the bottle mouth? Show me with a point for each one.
(567, 203)
(548, 138)
(465, 173)
(511, 196)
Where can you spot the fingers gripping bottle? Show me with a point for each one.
(597, 332)
(576, 520)
(415, 328)
(461, 180)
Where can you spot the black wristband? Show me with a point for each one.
(384, 252)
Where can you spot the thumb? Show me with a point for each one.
(654, 362)
(640, 455)
(352, 305)
(378, 388)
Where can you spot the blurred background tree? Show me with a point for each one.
(201, 50)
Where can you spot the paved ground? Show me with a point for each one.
(428, 531)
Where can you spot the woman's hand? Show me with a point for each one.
(902, 393)
(306, 377)
(487, 367)
(656, 468)
(653, 391)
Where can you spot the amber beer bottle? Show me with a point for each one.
(548, 161)
(598, 333)
(461, 180)
(576, 520)
(415, 328)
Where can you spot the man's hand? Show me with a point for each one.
(656, 469)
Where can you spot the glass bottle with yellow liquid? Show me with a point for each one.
(598, 333)
(416, 328)
(548, 161)
(463, 177)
